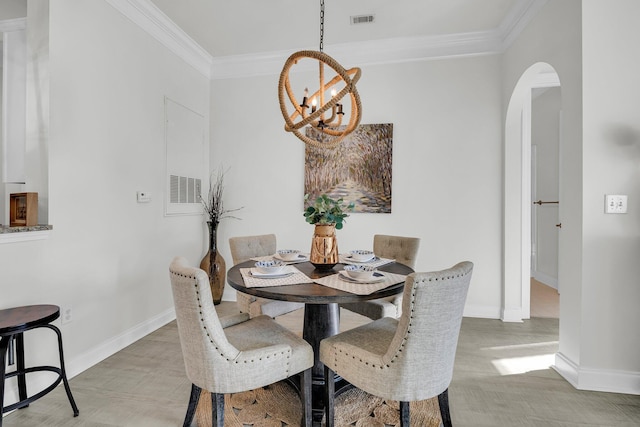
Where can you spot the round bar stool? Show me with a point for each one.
(13, 323)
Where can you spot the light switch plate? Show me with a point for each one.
(615, 203)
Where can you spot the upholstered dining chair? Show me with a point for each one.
(403, 250)
(234, 354)
(406, 359)
(243, 248)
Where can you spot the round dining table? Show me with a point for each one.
(321, 309)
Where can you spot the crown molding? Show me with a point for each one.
(391, 51)
(152, 20)
(517, 19)
(388, 51)
(13, 24)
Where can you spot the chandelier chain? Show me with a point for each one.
(321, 24)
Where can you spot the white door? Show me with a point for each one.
(545, 140)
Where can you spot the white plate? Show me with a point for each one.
(351, 259)
(375, 279)
(301, 258)
(286, 271)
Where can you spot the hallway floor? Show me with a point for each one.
(545, 300)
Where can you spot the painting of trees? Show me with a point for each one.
(358, 170)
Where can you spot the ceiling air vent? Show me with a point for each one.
(362, 19)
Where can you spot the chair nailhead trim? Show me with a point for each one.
(197, 290)
(408, 332)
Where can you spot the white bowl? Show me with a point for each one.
(359, 272)
(362, 255)
(270, 267)
(289, 254)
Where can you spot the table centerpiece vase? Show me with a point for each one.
(324, 247)
(328, 215)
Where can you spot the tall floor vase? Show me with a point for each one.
(213, 263)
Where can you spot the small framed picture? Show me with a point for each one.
(23, 209)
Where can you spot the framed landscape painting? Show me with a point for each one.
(358, 170)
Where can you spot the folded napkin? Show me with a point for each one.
(252, 280)
(375, 262)
(334, 281)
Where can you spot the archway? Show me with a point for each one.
(517, 192)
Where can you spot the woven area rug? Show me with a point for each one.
(278, 405)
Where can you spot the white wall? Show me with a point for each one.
(107, 256)
(588, 44)
(610, 341)
(446, 165)
(553, 37)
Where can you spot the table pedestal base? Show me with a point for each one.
(320, 321)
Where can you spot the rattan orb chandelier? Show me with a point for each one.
(326, 111)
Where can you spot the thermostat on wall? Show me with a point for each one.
(144, 197)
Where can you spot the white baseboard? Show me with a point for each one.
(612, 381)
(511, 315)
(94, 355)
(567, 369)
(482, 311)
(107, 348)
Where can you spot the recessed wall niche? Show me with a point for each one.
(34, 151)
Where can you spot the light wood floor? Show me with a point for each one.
(501, 378)
(545, 300)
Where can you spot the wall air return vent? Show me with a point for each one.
(362, 19)
(184, 189)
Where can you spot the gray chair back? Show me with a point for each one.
(402, 249)
(424, 345)
(203, 341)
(243, 248)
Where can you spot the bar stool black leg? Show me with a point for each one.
(63, 371)
(4, 344)
(22, 379)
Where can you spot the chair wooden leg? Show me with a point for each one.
(305, 387)
(217, 409)
(193, 404)
(443, 401)
(329, 396)
(405, 417)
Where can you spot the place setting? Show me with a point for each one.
(353, 273)
(360, 275)
(276, 270)
(287, 256)
(291, 256)
(364, 257)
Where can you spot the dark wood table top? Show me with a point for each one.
(313, 293)
(18, 319)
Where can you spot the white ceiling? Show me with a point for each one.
(235, 27)
(11, 9)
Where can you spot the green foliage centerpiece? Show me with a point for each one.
(327, 215)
